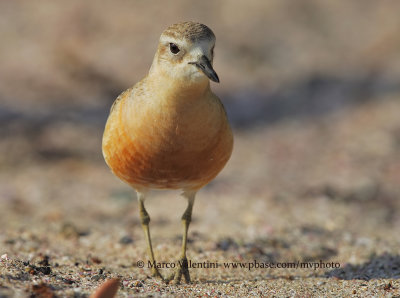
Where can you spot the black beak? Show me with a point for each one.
(206, 67)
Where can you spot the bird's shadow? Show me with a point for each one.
(385, 266)
(377, 267)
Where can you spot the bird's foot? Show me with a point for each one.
(182, 269)
(155, 273)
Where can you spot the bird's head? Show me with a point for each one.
(185, 52)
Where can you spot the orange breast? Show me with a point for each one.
(162, 146)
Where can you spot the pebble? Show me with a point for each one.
(126, 240)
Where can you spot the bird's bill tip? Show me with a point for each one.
(205, 66)
(214, 78)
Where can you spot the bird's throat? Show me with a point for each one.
(177, 92)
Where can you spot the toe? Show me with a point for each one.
(178, 277)
(157, 274)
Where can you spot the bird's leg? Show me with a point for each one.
(145, 220)
(182, 268)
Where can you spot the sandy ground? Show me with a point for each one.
(314, 179)
(69, 224)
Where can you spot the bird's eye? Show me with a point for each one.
(212, 52)
(174, 48)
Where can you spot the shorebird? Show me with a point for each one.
(170, 131)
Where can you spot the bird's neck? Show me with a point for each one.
(175, 90)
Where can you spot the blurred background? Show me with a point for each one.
(312, 89)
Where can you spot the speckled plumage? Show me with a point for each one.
(189, 30)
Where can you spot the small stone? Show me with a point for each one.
(68, 281)
(126, 240)
(97, 277)
(96, 260)
(226, 243)
(388, 286)
(44, 261)
(68, 230)
(108, 289)
(125, 283)
(42, 290)
(137, 284)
